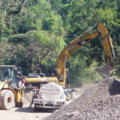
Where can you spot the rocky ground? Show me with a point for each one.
(95, 101)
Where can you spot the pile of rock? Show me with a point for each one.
(99, 101)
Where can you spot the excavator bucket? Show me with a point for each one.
(104, 71)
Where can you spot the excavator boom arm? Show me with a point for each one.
(79, 42)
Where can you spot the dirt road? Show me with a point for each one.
(26, 113)
(23, 114)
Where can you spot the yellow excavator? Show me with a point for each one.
(49, 92)
(79, 42)
(74, 45)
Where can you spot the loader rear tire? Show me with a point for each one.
(7, 99)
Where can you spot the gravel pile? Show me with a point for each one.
(98, 102)
(106, 109)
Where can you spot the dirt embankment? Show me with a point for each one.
(98, 102)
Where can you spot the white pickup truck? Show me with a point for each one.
(49, 95)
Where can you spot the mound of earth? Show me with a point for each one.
(100, 101)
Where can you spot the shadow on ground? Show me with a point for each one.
(31, 110)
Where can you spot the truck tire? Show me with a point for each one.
(7, 99)
(35, 108)
(19, 104)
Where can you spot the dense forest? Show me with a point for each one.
(34, 32)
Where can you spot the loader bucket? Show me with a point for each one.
(104, 71)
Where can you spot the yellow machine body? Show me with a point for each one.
(79, 42)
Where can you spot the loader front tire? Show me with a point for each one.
(7, 99)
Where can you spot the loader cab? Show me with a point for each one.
(10, 73)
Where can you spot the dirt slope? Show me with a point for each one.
(100, 101)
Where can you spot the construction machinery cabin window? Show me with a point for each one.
(8, 73)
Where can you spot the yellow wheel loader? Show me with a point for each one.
(43, 93)
(11, 87)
